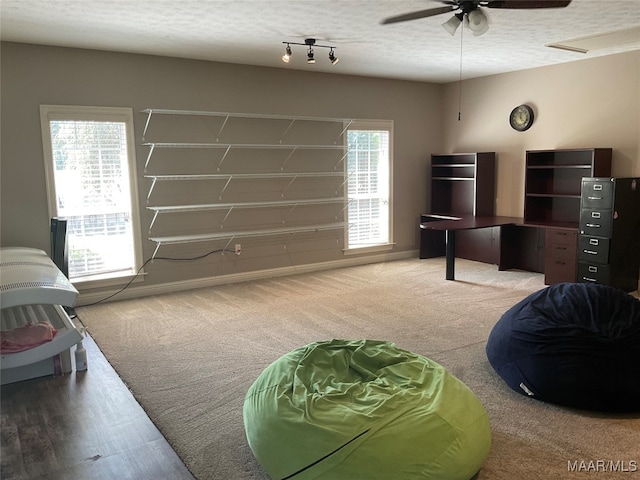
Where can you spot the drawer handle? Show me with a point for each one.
(560, 263)
(594, 241)
(595, 198)
(593, 269)
(590, 252)
(595, 214)
(587, 279)
(597, 186)
(593, 225)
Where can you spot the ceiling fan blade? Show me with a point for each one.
(419, 14)
(528, 3)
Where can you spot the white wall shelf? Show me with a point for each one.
(238, 176)
(319, 168)
(231, 236)
(234, 206)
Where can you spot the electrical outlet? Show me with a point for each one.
(238, 249)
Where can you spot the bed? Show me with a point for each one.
(33, 292)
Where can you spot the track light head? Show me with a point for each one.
(287, 55)
(310, 58)
(332, 57)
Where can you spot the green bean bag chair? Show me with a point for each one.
(364, 410)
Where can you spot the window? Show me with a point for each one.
(90, 165)
(369, 169)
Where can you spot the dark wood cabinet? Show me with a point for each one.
(553, 183)
(609, 243)
(553, 192)
(523, 248)
(560, 263)
(462, 184)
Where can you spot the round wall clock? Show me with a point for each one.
(521, 118)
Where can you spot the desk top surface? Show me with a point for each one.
(470, 223)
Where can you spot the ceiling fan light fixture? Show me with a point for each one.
(478, 23)
(452, 24)
(287, 54)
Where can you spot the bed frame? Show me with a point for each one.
(32, 290)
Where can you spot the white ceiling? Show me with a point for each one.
(252, 31)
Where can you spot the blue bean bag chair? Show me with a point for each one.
(572, 344)
(364, 409)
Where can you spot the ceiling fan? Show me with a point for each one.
(469, 11)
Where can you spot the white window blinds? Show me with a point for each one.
(90, 165)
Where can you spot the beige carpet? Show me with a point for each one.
(190, 357)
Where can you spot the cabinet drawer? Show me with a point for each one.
(593, 273)
(561, 252)
(558, 270)
(595, 222)
(597, 193)
(561, 236)
(593, 249)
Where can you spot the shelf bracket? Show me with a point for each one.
(346, 127)
(224, 123)
(293, 150)
(284, 220)
(226, 152)
(146, 125)
(156, 250)
(155, 215)
(341, 159)
(228, 243)
(346, 179)
(287, 129)
(153, 184)
(225, 187)
(225, 217)
(293, 179)
(153, 145)
(346, 205)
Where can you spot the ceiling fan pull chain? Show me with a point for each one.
(460, 81)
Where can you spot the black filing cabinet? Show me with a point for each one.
(609, 242)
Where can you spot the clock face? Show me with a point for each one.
(521, 118)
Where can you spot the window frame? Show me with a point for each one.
(50, 113)
(378, 125)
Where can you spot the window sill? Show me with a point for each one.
(107, 280)
(384, 247)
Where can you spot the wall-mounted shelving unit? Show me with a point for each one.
(327, 171)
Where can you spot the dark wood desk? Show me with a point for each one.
(464, 223)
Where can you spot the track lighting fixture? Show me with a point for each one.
(310, 43)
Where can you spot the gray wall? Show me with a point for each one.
(33, 75)
(587, 103)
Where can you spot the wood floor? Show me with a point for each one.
(83, 425)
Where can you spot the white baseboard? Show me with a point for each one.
(143, 291)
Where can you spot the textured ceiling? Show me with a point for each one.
(252, 31)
